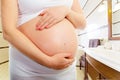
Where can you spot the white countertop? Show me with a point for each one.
(108, 57)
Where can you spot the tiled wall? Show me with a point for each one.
(3, 48)
(99, 33)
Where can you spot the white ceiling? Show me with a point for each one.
(93, 16)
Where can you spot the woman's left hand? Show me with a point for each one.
(51, 16)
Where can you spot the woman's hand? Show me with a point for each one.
(60, 61)
(51, 16)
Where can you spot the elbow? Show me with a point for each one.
(81, 25)
(5, 36)
(8, 33)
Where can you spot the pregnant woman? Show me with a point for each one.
(42, 38)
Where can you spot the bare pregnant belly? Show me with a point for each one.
(59, 38)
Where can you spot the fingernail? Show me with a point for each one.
(37, 28)
(41, 28)
(46, 26)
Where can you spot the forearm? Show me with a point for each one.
(22, 43)
(77, 19)
(14, 36)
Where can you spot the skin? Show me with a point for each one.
(59, 38)
(9, 23)
(50, 16)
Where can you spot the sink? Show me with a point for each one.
(110, 58)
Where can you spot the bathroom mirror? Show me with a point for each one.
(114, 19)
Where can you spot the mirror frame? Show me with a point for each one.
(110, 37)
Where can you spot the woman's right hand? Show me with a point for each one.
(61, 61)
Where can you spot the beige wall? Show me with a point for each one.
(0, 7)
(3, 49)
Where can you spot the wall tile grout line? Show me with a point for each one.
(102, 27)
(4, 62)
(4, 47)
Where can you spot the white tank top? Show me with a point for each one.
(29, 9)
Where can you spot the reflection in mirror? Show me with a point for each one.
(114, 19)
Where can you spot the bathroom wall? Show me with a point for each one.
(99, 33)
(3, 45)
(3, 48)
(97, 25)
(97, 22)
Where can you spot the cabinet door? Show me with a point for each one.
(104, 70)
(92, 72)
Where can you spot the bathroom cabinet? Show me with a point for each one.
(97, 69)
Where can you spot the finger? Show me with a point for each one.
(42, 13)
(43, 21)
(63, 65)
(48, 22)
(38, 23)
(51, 23)
(67, 65)
(69, 61)
(68, 55)
(43, 25)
